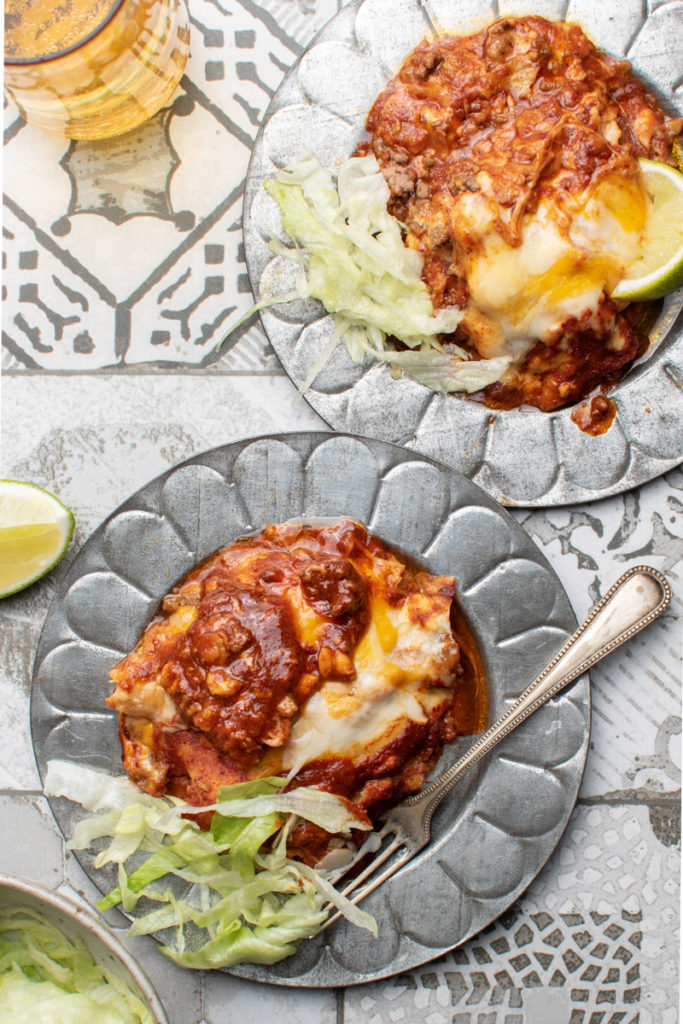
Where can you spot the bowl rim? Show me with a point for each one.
(85, 918)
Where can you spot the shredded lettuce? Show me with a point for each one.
(45, 976)
(351, 257)
(445, 371)
(224, 896)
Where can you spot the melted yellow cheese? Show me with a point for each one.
(182, 618)
(567, 261)
(385, 628)
(404, 667)
(402, 674)
(307, 623)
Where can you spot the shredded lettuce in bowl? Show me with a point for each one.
(222, 897)
(45, 976)
(351, 257)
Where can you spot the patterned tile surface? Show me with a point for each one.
(171, 204)
(112, 374)
(558, 955)
(596, 933)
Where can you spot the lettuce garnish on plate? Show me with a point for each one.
(352, 258)
(221, 897)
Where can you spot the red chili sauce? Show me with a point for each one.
(523, 111)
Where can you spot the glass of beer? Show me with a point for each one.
(88, 69)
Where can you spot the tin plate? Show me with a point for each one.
(495, 831)
(321, 106)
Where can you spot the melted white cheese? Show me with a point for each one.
(567, 261)
(402, 671)
(404, 667)
(148, 700)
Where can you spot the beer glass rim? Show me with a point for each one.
(29, 61)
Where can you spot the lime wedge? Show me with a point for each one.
(35, 530)
(659, 267)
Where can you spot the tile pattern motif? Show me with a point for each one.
(607, 903)
(70, 305)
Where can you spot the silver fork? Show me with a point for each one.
(635, 600)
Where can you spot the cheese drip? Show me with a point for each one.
(568, 260)
(402, 675)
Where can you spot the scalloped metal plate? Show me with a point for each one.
(321, 106)
(495, 831)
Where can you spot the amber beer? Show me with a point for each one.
(89, 69)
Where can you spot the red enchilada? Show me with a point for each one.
(309, 651)
(511, 156)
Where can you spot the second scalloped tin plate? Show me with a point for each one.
(496, 829)
(321, 106)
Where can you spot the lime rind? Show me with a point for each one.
(667, 276)
(61, 518)
(656, 285)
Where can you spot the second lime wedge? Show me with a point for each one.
(35, 530)
(659, 267)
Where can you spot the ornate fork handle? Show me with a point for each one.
(635, 600)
